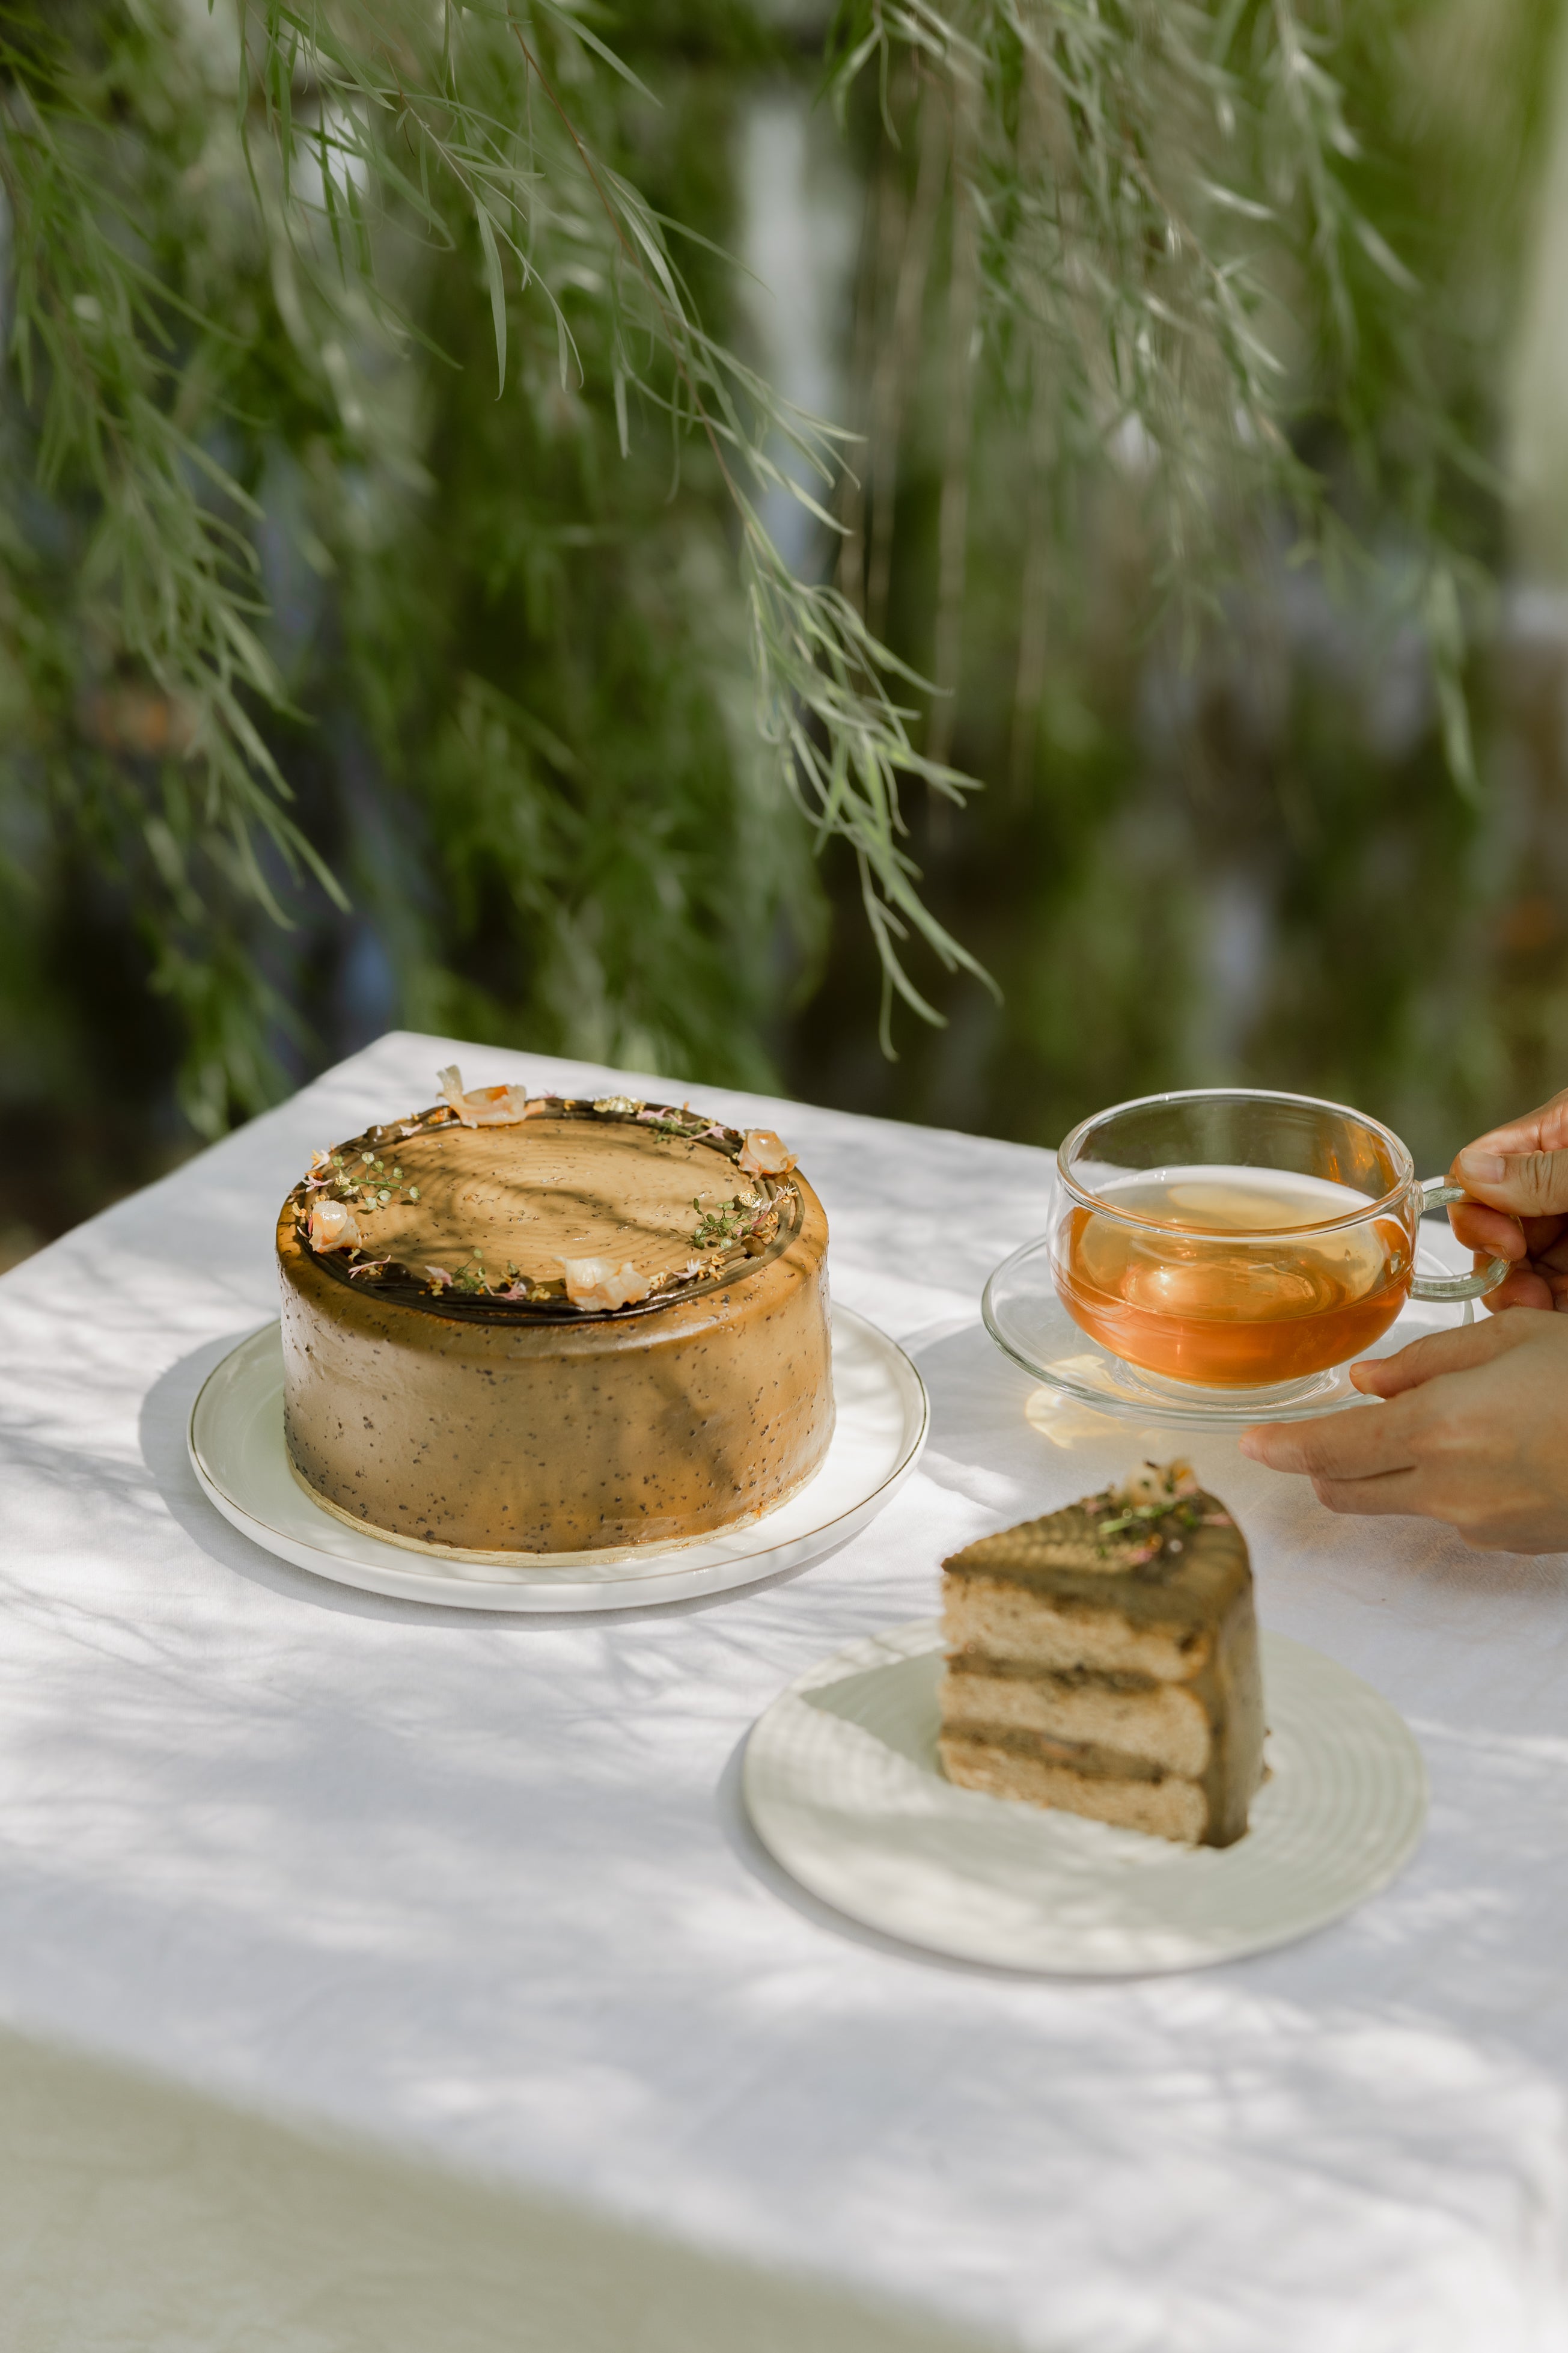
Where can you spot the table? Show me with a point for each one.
(379, 1979)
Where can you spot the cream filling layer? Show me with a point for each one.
(1164, 1726)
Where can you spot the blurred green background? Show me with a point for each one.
(1221, 838)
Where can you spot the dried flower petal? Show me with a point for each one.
(764, 1155)
(331, 1226)
(597, 1283)
(440, 1276)
(487, 1106)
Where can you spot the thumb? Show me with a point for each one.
(1526, 1184)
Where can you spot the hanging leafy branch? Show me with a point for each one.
(119, 375)
(1148, 198)
(229, 239)
(1372, 314)
(359, 125)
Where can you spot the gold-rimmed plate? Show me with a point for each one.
(882, 1413)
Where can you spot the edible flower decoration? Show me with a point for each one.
(1157, 1482)
(691, 1126)
(764, 1155)
(321, 1168)
(332, 1226)
(1152, 1503)
(597, 1283)
(487, 1106)
(743, 1220)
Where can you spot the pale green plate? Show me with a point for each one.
(844, 1789)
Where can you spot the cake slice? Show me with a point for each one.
(1104, 1660)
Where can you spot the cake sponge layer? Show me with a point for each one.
(1007, 1622)
(1170, 1808)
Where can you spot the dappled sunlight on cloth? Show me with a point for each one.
(465, 1884)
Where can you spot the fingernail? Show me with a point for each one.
(1482, 1167)
(1248, 1445)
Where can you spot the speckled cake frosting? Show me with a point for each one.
(517, 1324)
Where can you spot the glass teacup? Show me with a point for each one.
(1231, 1239)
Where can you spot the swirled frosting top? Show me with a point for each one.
(561, 1206)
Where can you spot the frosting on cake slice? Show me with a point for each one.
(1104, 1660)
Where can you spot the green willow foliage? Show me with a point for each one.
(1161, 234)
(1251, 864)
(384, 512)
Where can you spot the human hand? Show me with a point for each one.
(1517, 1178)
(1475, 1432)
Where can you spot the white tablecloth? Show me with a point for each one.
(377, 1976)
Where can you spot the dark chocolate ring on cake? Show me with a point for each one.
(391, 1280)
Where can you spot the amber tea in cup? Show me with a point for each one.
(1234, 1239)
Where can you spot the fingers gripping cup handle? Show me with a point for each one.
(1435, 1193)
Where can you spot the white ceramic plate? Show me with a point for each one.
(236, 1447)
(1029, 1323)
(844, 1789)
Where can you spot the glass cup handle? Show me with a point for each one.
(1435, 1193)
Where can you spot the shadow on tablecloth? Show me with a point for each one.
(164, 1423)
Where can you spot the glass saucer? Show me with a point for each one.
(1029, 1323)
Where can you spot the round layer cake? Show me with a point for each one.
(521, 1325)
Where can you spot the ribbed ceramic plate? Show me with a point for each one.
(236, 1447)
(844, 1789)
(1027, 1319)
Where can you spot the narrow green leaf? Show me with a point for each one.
(497, 290)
